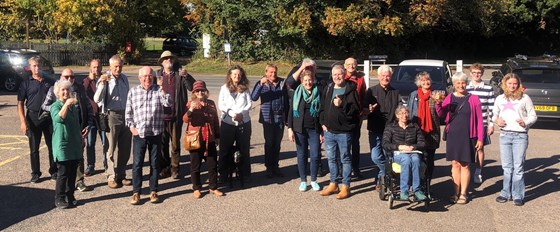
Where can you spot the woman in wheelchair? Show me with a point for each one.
(404, 141)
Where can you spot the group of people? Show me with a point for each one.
(150, 117)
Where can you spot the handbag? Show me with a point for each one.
(444, 136)
(104, 122)
(192, 139)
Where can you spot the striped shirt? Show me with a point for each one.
(144, 110)
(486, 95)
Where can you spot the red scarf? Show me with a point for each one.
(424, 115)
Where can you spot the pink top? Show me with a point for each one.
(476, 125)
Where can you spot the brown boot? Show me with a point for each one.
(331, 189)
(344, 192)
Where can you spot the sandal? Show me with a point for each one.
(462, 199)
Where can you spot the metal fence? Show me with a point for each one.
(67, 53)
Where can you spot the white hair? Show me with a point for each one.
(61, 84)
(384, 68)
(459, 76)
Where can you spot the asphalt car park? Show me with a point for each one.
(276, 204)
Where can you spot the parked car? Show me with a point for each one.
(180, 45)
(404, 75)
(14, 67)
(540, 79)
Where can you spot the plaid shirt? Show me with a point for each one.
(144, 110)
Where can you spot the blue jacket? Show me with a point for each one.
(274, 102)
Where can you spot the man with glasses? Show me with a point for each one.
(34, 123)
(85, 117)
(486, 95)
(177, 82)
(111, 95)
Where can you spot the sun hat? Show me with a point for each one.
(166, 54)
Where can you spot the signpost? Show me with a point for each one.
(227, 50)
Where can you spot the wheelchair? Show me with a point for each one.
(390, 183)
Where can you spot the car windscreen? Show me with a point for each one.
(408, 73)
(539, 75)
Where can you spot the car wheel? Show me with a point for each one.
(11, 84)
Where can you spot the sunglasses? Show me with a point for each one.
(200, 91)
(70, 76)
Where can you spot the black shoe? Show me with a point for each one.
(90, 170)
(269, 174)
(35, 178)
(358, 175)
(518, 202)
(72, 202)
(54, 176)
(277, 172)
(61, 204)
(501, 199)
(82, 187)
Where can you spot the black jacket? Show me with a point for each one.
(344, 118)
(387, 102)
(297, 123)
(394, 135)
(183, 85)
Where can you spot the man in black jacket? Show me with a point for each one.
(381, 100)
(339, 115)
(178, 83)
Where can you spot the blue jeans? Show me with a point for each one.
(308, 145)
(408, 161)
(90, 146)
(341, 141)
(377, 154)
(139, 147)
(273, 133)
(513, 146)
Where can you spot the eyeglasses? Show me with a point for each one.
(69, 76)
(476, 73)
(200, 91)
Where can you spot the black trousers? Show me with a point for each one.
(211, 162)
(35, 131)
(241, 136)
(66, 180)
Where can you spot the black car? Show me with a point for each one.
(14, 67)
(180, 45)
(540, 79)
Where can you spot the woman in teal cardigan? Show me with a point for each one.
(67, 143)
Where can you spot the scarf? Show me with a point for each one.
(312, 99)
(424, 115)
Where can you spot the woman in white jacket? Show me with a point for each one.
(514, 114)
(234, 102)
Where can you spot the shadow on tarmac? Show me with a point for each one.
(19, 207)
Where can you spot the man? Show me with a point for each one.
(34, 123)
(338, 116)
(177, 82)
(273, 114)
(111, 94)
(144, 117)
(353, 75)
(90, 86)
(486, 95)
(381, 101)
(85, 117)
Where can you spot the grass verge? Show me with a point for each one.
(221, 66)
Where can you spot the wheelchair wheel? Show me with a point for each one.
(427, 205)
(391, 201)
(382, 189)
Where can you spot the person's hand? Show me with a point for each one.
(91, 75)
(478, 145)
(71, 101)
(194, 105)
(85, 132)
(521, 122)
(238, 117)
(291, 136)
(337, 101)
(325, 129)
(501, 122)
(371, 107)
(183, 72)
(104, 78)
(23, 128)
(490, 130)
(321, 139)
(159, 80)
(217, 141)
(133, 131)
(264, 80)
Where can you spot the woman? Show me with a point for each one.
(303, 122)
(423, 112)
(234, 102)
(405, 141)
(68, 141)
(463, 139)
(202, 115)
(514, 114)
